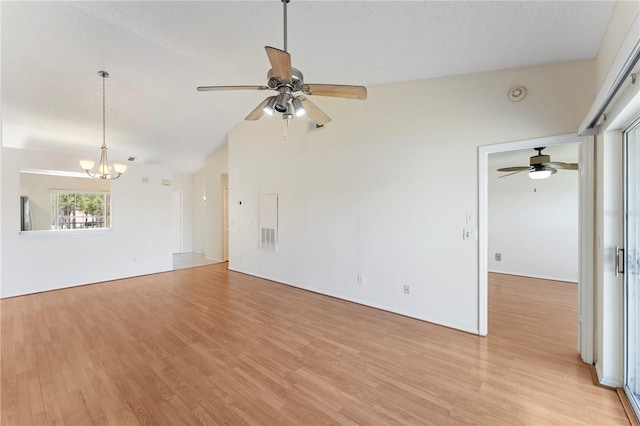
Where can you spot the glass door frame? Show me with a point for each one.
(634, 400)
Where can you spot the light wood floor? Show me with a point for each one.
(190, 260)
(205, 345)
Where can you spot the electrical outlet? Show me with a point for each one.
(360, 279)
(468, 234)
(498, 257)
(407, 289)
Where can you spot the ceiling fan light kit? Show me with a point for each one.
(269, 107)
(540, 174)
(540, 166)
(287, 81)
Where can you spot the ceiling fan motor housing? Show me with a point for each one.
(539, 159)
(297, 80)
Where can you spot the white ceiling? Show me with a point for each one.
(158, 52)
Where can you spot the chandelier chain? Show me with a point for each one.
(104, 143)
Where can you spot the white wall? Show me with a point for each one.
(184, 184)
(216, 166)
(533, 224)
(198, 205)
(618, 28)
(138, 243)
(383, 191)
(207, 215)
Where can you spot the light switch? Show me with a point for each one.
(470, 219)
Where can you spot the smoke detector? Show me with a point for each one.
(517, 93)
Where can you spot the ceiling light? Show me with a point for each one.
(540, 174)
(105, 171)
(268, 108)
(282, 102)
(287, 114)
(298, 108)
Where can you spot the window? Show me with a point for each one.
(80, 210)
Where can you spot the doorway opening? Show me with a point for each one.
(585, 230)
(176, 220)
(224, 180)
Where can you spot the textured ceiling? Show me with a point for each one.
(158, 52)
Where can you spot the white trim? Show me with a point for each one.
(360, 302)
(483, 200)
(606, 382)
(58, 232)
(620, 69)
(540, 277)
(586, 256)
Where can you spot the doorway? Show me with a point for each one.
(225, 217)
(585, 224)
(176, 221)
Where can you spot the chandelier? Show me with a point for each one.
(104, 169)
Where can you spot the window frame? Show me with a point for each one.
(55, 209)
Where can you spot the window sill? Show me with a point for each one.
(66, 232)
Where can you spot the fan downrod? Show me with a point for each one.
(284, 11)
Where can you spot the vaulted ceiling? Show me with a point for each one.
(158, 53)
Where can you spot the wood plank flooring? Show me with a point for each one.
(209, 346)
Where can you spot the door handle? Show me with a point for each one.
(619, 264)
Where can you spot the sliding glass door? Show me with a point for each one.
(631, 266)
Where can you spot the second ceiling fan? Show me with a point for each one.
(540, 166)
(291, 98)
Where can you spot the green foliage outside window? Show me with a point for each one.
(79, 210)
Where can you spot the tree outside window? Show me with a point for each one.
(80, 210)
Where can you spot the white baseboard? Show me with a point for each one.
(605, 381)
(541, 277)
(363, 302)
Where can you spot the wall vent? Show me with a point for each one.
(268, 239)
(268, 222)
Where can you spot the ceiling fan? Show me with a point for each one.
(540, 166)
(287, 82)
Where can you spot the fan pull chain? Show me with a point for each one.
(286, 124)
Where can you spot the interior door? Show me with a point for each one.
(629, 262)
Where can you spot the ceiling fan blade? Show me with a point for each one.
(215, 88)
(314, 112)
(514, 169)
(564, 166)
(336, 90)
(280, 62)
(258, 112)
(513, 173)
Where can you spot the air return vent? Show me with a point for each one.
(268, 239)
